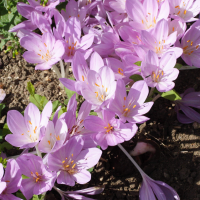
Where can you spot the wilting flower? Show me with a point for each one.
(40, 179)
(78, 193)
(131, 108)
(160, 73)
(152, 190)
(184, 10)
(190, 44)
(2, 95)
(26, 130)
(45, 51)
(190, 98)
(11, 181)
(72, 162)
(109, 131)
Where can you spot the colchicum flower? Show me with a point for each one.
(109, 131)
(26, 130)
(131, 108)
(190, 98)
(45, 51)
(40, 179)
(11, 181)
(160, 73)
(72, 162)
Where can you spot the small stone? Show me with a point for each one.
(101, 178)
(166, 176)
(190, 180)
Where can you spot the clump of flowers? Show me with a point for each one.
(123, 57)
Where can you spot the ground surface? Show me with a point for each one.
(178, 163)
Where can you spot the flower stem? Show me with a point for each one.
(56, 70)
(151, 92)
(67, 70)
(62, 69)
(131, 159)
(156, 97)
(38, 151)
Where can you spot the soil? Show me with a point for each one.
(177, 162)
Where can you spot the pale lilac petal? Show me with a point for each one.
(96, 62)
(2, 186)
(82, 177)
(94, 123)
(146, 192)
(65, 178)
(86, 41)
(32, 57)
(84, 110)
(46, 114)
(27, 188)
(165, 86)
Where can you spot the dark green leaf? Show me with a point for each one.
(31, 88)
(69, 93)
(20, 195)
(38, 100)
(91, 169)
(171, 95)
(93, 113)
(56, 104)
(136, 77)
(5, 145)
(178, 66)
(62, 110)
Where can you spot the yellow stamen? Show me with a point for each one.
(22, 133)
(185, 12)
(67, 165)
(58, 138)
(30, 122)
(49, 142)
(134, 106)
(97, 94)
(124, 98)
(97, 85)
(173, 29)
(188, 41)
(83, 78)
(45, 45)
(191, 43)
(73, 166)
(63, 161)
(106, 89)
(178, 12)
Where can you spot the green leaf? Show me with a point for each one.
(98, 147)
(38, 100)
(69, 93)
(171, 95)
(24, 177)
(138, 63)
(35, 197)
(3, 162)
(56, 104)
(20, 195)
(93, 113)
(61, 111)
(61, 6)
(2, 106)
(91, 169)
(136, 77)
(31, 88)
(6, 130)
(178, 66)
(5, 145)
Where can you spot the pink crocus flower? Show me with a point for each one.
(26, 129)
(190, 98)
(160, 73)
(100, 88)
(159, 40)
(131, 107)
(54, 136)
(11, 181)
(184, 10)
(44, 7)
(2, 95)
(146, 15)
(109, 131)
(74, 42)
(72, 162)
(190, 44)
(40, 179)
(45, 51)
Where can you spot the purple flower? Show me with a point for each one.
(190, 98)
(72, 162)
(11, 181)
(45, 51)
(55, 135)
(151, 188)
(78, 193)
(26, 130)
(190, 44)
(40, 179)
(184, 10)
(109, 131)
(160, 73)
(2, 95)
(131, 108)
(146, 15)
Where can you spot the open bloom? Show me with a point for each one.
(190, 98)
(146, 15)
(46, 51)
(40, 179)
(109, 131)
(190, 44)
(11, 181)
(184, 10)
(26, 130)
(72, 162)
(131, 108)
(160, 73)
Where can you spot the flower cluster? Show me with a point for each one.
(103, 41)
